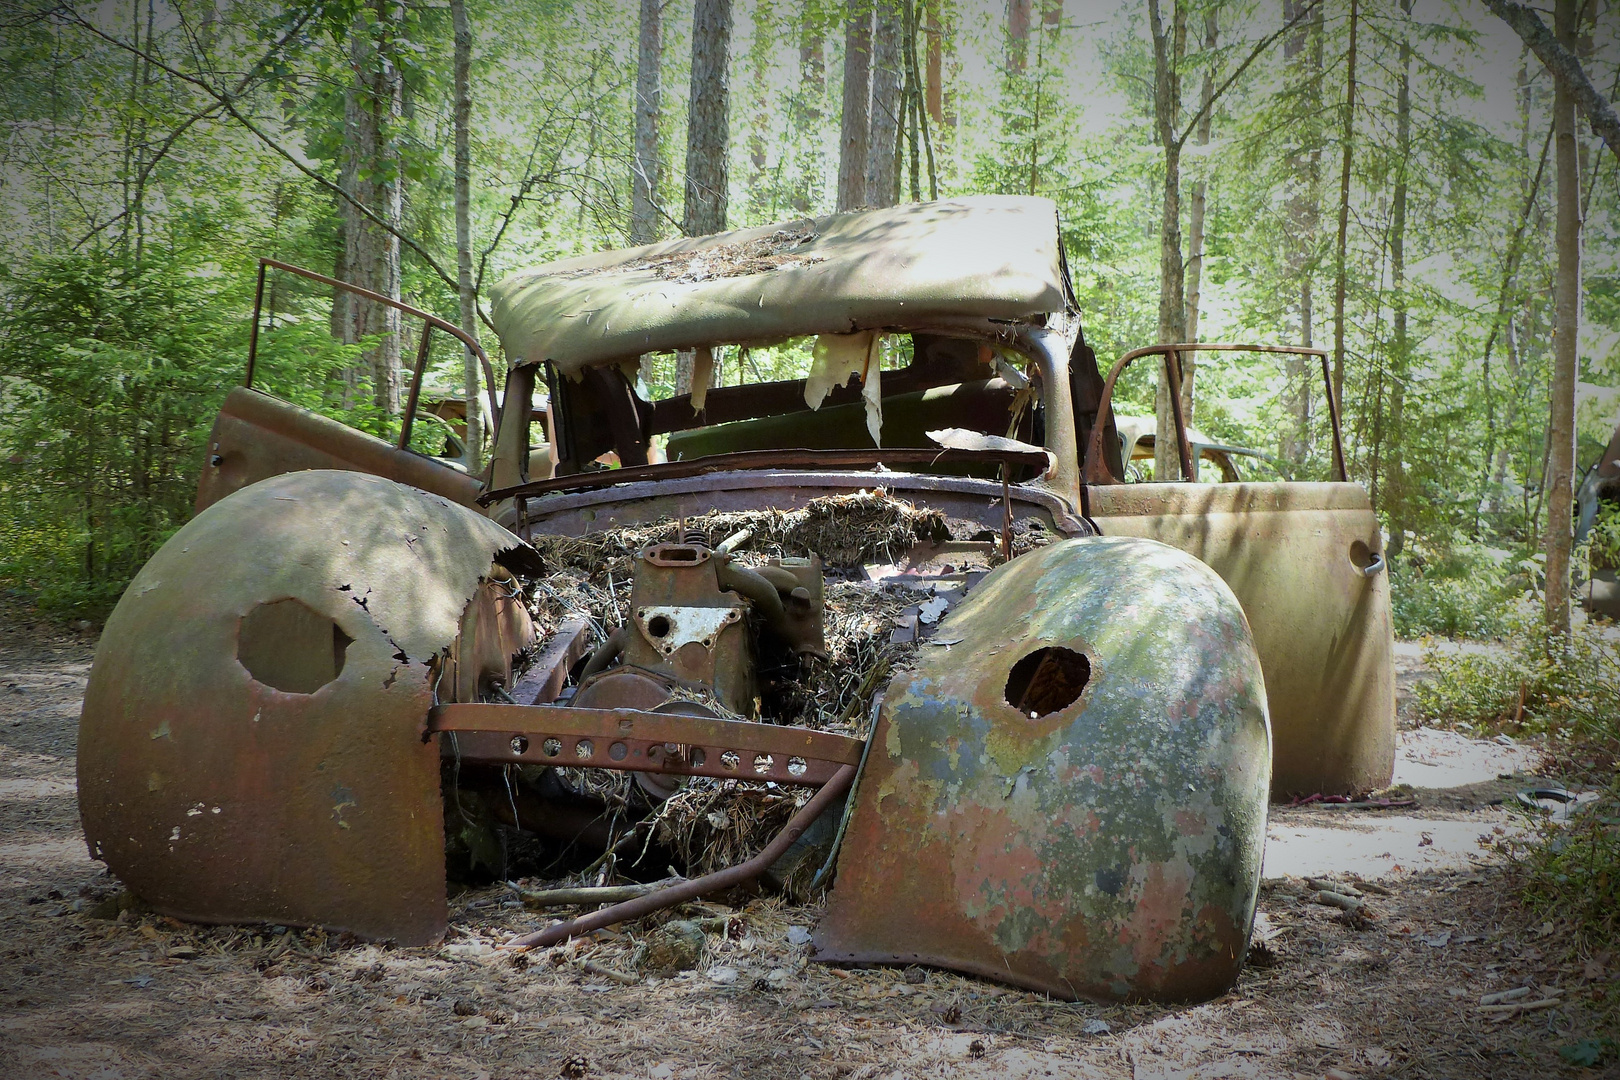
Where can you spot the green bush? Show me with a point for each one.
(1465, 593)
(1571, 874)
(1603, 542)
(111, 372)
(1568, 688)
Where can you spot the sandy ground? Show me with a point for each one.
(1396, 993)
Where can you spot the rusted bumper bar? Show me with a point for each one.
(642, 742)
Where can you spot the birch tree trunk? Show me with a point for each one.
(855, 127)
(708, 126)
(470, 372)
(882, 176)
(1168, 50)
(373, 104)
(1560, 476)
(1395, 500)
(644, 171)
(1195, 222)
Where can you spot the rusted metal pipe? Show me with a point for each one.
(1172, 364)
(605, 653)
(432, 320)
(1333, 414)
(691, 890)
(416, 389)
(253, 331)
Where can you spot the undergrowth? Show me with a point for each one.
(1459, 591)
(1566, 688)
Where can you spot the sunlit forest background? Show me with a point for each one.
(1376, 179)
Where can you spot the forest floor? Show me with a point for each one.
(1395, 993)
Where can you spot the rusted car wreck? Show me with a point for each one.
(1063, 787)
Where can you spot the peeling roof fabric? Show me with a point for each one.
(980, 257)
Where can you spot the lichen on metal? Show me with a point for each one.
(1108, 850)
(218, 798)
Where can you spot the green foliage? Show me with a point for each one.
(1588, 1053)
(1568, 688)
(1463, 593)
(1603, 542)
(111, 373)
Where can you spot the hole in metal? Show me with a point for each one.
(584, 748)
(658, 626)
(797, 766)
(730, 760)
(289, 647)
(697, 757)
(520, 744)
(551, 747)
(1048, 680)
(763, 763)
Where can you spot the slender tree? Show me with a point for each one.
(374, 178)
(467, 293)
(1560, 476)
(1195, 217)
(644, 170)
(708, 125)
(1169, 47)
(882, 176)
(1395, 501)
(855, 124)
(1341, 267)
(805, 112)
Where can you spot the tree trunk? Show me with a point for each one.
(1017, 35)
(649, 101)
(935, 50)
(708, 125)
(1302, 52)
(882, 177)
(761, 189)
(1195, 224)
(1168, 51)
(1560, 477)
(470, 372)
(855, 127)
(1395, 501)
(372, 107)
(1340, 269)
(805, 113)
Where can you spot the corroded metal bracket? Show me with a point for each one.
(634, 740)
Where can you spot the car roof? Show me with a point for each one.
(969, 263)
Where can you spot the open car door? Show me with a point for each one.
(257, 436)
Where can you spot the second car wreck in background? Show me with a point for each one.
(1060, 701)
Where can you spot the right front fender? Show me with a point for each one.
(1107, 846)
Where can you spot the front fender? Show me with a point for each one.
(251, 747)
(1108, 848)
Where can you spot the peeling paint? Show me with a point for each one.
(1108, 850)
(322, 809)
